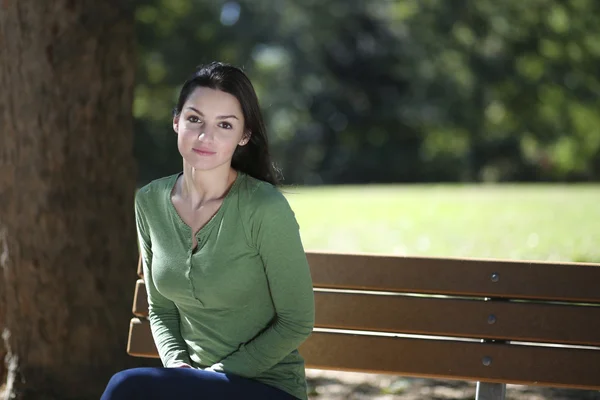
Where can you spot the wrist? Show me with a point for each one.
(217, 367)
(181, 365)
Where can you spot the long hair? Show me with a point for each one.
(254, 158)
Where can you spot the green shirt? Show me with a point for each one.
(242, 301)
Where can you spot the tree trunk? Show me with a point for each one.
(67, 181)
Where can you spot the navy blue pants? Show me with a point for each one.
(186, 383)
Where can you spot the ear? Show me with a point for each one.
(176, 123)
(245, 138)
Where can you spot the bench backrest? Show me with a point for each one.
(533, 323)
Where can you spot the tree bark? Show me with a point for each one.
(67, 181)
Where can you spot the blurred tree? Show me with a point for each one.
(519, 80)
(331, 117)
(390, 91)
(67, 236)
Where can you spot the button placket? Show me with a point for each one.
(190, 262)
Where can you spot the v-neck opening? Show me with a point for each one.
(212, 219)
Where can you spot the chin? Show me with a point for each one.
(203, 166)
(199, 164)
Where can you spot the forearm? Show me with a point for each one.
(268, 348)
(171, 347)
(293, 299)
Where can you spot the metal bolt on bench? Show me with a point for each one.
(487, 390)
(489, 321)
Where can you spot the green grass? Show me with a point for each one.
(526, 222)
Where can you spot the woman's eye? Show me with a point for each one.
(193, 119)
(226, 125)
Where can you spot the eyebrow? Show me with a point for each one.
(219, 117)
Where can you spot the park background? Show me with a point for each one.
(434, 127)
(470, 121)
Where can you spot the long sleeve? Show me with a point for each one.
(275, 234)
(163, 314)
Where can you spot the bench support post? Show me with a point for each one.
(486, 390)
(490, 391)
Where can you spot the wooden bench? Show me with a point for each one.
(490, 321)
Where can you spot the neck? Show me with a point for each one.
(200, 187)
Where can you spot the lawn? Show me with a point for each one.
(526, 222)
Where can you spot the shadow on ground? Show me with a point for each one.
(334, 385)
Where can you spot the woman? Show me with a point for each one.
(229, 289)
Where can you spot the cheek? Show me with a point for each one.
(186, 135)
(185, 140)
(229, 144)
(229, 140)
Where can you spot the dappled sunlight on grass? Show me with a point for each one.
(537, 222)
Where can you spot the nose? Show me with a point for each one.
(205, 135)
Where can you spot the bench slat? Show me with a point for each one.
(524, 322)
(459, 277)
(576, 282)
(140, 300)
(140, 342)
(533, 322)
(527, 365)
(442, 359)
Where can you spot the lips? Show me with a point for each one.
(203, 152)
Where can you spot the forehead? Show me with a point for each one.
(214, 102)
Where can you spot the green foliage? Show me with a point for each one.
(389, 91)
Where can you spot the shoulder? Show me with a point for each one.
(261, 197)
(155, 187)
(266, 214)
(265, 210)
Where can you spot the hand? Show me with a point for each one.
(218, 367)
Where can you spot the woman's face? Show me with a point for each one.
(209, 128)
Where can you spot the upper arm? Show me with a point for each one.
(143, 233)
(277, 239)
(155, 299)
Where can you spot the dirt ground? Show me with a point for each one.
(333, 385)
